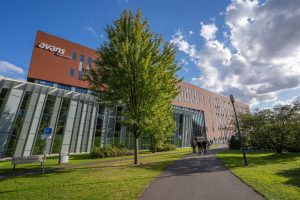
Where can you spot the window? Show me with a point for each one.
(81, 90)
(72, 72)
(42, 82)
(80, 67)
(61, 86)
(67, 87)
(80, 75)
(59, 131)
(3, 95)
(64, 87)
(89, 62)
(81, 58)
(49, 83)
(18, 124)
(45, 122)
(73, 56)
(88, 67)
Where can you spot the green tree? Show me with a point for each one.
(162, 128)
(276, 128)
(137, 70)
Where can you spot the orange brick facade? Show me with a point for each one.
(217, 109)
(47, 65)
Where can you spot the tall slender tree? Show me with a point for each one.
(135, 68)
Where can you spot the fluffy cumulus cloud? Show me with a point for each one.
(263, 54)
(10, 70)
(208, 31)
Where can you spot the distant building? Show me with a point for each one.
(55, 96)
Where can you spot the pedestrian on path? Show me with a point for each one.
(204, 143)
(194, 144)
(199, 144)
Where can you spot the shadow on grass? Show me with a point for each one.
(183, 167)
(293, 176)
(30, 170)
(234, 159)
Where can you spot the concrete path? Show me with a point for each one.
(198, 177)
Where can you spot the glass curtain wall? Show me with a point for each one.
(189, 124)
(99, 125)
(3, 96)
(87, 128)
(118, 125)
(59, 131)
(18, 125)
(111, 125)
(45, 122)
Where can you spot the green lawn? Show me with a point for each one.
(274, 176)
(52, 162)
(114, 180)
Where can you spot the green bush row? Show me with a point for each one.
(165, 147)
(110, 151)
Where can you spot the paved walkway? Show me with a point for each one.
(195, 177)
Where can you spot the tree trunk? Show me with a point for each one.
(136, 149)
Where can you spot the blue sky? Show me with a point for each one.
(222, 44)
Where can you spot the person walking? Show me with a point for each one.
(194, 144)
(199, 144)
(208, 146)
(204, 143)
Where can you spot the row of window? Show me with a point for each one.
(74, 55)
(80, 67)
(190, 96)
(62, 86)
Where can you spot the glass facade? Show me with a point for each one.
(78, 124)
(44, 122)
(59, 131)
(3, 95)
(47, 83)
(99, 125)
(18, 124)
(81, 90)
(189, 124)
(64, 87)
(77, 120)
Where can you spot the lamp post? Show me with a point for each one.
(239, 132)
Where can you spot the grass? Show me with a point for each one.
(52, 162)
(103, 180)
(273, 175)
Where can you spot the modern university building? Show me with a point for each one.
(55, 96)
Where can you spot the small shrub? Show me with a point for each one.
(109, 151)
(164, 147)
(234, 143)
(170, 147)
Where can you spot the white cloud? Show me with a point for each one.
(263, 55)
(8, 68)
(191, 32)
(184, 63)
(208, 31)
(92, 31)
